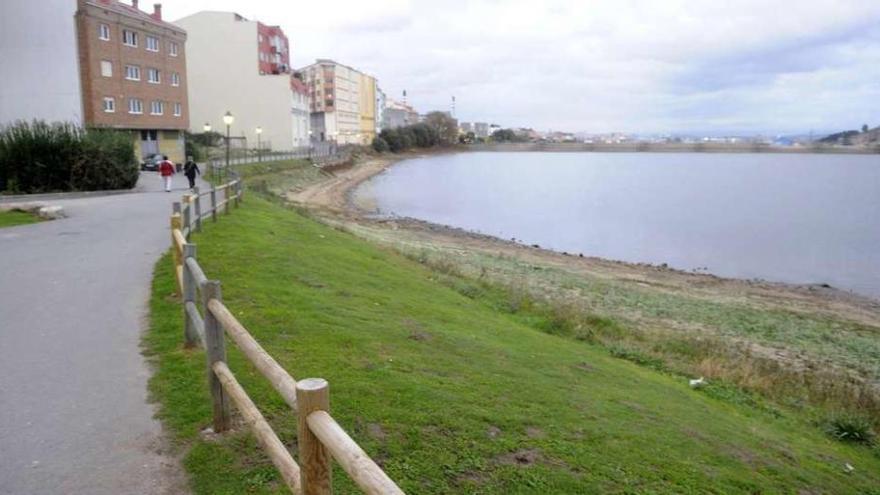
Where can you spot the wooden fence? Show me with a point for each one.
(207, 321)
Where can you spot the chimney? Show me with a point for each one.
(134, 3)
(157, 11)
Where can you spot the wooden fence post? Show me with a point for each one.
(226, 198)
(198, 206)
(213, 202)
(237, 191)
(189, 296)
(312, 394)
(175, 225)
(187, 214)
(215, 350)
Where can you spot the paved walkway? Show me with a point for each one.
(74, 416)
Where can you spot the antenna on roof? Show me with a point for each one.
(404, 97)
(453, 105)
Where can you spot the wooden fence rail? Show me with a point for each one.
(206, 322)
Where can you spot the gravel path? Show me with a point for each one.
(74, 416)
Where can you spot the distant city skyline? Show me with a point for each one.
(682, 67)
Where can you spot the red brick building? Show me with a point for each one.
(273, 50)
(133, 74)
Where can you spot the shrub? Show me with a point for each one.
(380, 145)
(42, 157)
(849, 427)
(108, 162)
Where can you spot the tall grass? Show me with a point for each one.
(47, 157)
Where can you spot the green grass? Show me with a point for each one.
(11, 218)
(452, 389)
(831, 363)
(278, 176)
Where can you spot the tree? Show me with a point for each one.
(864, 128)
(504, 136)
(392, 138)
(425, 136)
(445, 126)
(380, 145)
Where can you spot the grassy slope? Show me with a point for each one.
(12, 218)
(458, 394)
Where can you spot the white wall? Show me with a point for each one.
(222, 66)
(300, 118)
(39, 69)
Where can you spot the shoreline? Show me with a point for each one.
(335, 196)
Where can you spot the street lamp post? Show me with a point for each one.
(207, 129)
(259, 144)
(228, 119)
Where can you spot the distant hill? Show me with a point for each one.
(854, 137)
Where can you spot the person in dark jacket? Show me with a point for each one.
(190, 170)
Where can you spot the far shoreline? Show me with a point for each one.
(335, 197)
(642, 147)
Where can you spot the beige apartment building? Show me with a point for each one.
(367, 108)
(342, 99)
(241, 66)
(132, 68)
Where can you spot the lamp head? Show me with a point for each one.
(206, 127)
(228, 119)
(259, 130)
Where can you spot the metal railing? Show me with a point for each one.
(207, 321)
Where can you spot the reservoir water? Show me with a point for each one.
(798, 218)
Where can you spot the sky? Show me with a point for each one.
(638, 66)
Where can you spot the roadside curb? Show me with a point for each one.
(60, 196)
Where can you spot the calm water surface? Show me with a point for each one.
(796, 218)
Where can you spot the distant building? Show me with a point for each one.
(343, 102)
(367, 108)
(300, 109)
(241, 66)
(381, 101)
(399, 114)
(465, 127)
(133, 74)
(39, 55)
(481, 129)
(274, 50)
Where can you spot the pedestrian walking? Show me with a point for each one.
(191, 169)
(166, 170)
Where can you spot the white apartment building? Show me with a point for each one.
(300, 108)
(334, 90)
(380, 109)
(228, 71)
(39, 66)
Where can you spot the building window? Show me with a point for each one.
(152, 44)
(132, 72)
(153, 76)
(178, 109)
(175, 79)
(106, 68)
(135, 106)
(109, 104)
(129, 38)
(104, 32)
(157, 108)
(172, 49)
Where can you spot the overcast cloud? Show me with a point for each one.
(715, 66)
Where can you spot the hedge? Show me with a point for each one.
(40, 157)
